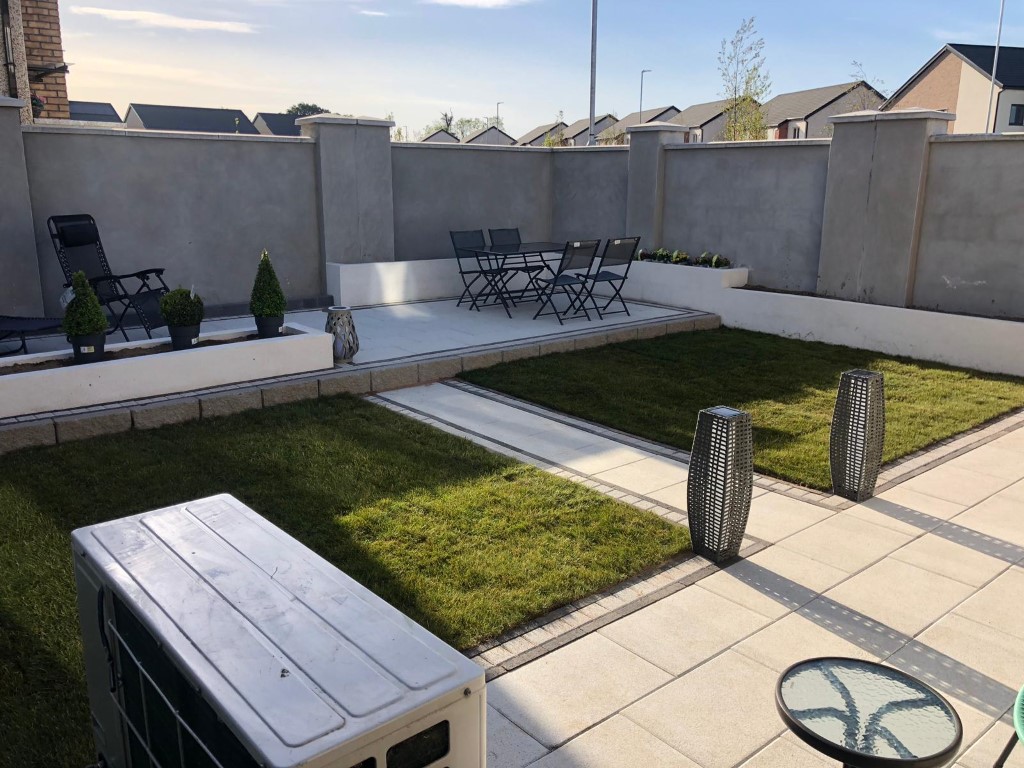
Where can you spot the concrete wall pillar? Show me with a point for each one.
(877, 173)
(645, 196)
(20, 291)
(354, 190)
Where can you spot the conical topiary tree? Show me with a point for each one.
(267, 298)
(83, 315)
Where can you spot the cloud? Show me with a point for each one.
(372, 13)
(165, 21)
(479, 3)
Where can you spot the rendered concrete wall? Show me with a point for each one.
(972, 232)
(589, 198)
(878, 167)
(203, 207)
(438, 188)
(19, 286)
(759, 204)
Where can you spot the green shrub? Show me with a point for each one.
(662, 255)
(718, 261)
(181, 308)
(704, 260)
(680, 257)
(267, 298)
(83, 316)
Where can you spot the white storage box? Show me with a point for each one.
(214, 639)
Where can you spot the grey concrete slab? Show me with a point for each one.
(845, 542)
(951, 559)
(796, 637)
(788, 752)
(997, 604)
(507, 745)
(684, 629)
(561, 694)
(717, 715)
(616, 743)
(14, 437)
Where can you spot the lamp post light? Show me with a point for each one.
(591, 138)
(995, 65)
(642, 73)
(497, 112)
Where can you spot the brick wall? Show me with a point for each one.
(936, 88)
(43, 47)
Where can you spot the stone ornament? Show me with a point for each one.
(341, 325)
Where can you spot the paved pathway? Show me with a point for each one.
(927, 577)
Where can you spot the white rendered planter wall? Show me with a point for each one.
(301, 350)
(672, 285)
(393, 282)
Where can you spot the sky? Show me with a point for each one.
(417, 58)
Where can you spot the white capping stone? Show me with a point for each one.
(329, 119)
(871, 116)
(7, 101)
(659, 126)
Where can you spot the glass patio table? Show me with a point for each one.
(867, 715)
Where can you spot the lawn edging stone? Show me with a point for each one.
(290, 392)
(480, 360)
(589, 342)
(348, 383)
(229, 403)
(162, 414)
(520, 353)
(437, 370)
(85, 425)
(394, 377)
(14, 437)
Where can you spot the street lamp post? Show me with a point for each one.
(591, 138)
(995, 66)
(497, 112)
(642, 73)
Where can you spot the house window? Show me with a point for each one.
(794, 132)
(1017, 114)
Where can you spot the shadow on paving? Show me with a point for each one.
(902, 651)
(958, 534)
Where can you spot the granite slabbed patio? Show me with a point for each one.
(925, 577)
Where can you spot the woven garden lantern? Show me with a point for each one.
(858, 434)
(720, 482)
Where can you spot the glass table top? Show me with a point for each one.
(868, 709)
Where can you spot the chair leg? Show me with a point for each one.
(577, 302)
(617, 295)
(548, 299)
(1006, 752)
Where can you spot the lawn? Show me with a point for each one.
(655, 388)
(466, 542)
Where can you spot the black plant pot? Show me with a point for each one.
(269, 327)
(88, 349)
(183, 336)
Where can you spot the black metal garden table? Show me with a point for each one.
(511, 260)
(867, 715)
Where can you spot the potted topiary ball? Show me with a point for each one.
(183, 311)
(267, 302)
(84, 322)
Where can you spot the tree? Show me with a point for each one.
(557, 138)
(302, 109)
(746, 84)
(865, 100)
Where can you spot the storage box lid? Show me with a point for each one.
(296, 655)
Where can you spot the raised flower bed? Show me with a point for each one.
(219, 358)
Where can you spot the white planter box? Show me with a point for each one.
(675, 285)
(301, 350)
(393, 282)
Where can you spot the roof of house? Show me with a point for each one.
(474, 136)
(635, 118)
(981, 57)
(540, 131)
(698, 115)
(156, 117)
(94, 111)
(440, 131)
(800, 105)
(581, 126)
(280, 124)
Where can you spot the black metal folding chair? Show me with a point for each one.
(521, 263)
(578, 256)
(76, 239)
(613, 271)
(491, 277)
(19, 327)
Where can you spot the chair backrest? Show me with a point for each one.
(76, 239)
(464, 241)
(620, 252)
(508, 236)
(578, 256)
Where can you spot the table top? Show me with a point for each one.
(520, 249)
(867, 715)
